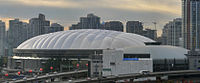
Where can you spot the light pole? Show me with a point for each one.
(87, 68)
(51, 69)
(41, 69)
(30, 71)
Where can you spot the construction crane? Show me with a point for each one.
(155, 24)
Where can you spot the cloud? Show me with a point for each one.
(165, 6)
(67, 12)
(49, 3)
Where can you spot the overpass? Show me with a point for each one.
(137, 75)
(108, 78)
(50, 76)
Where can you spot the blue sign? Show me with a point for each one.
(131, 59)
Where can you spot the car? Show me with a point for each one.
(14, 79)
(47, 74)
(25, 78)
(55, 72)
(104, 77)
(144, 72)
(35, 76)
(88, 78)
(70, 81)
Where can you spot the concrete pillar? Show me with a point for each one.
(60, 78)
(131, 80)
(52, 79)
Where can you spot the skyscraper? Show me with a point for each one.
(113, 25)
(53, 28)
(25, 31)
(37, 25)
(14, 34)
(90, 22)
(191, 24)
(177, 31)
(75, 26)
(150, 33)
(164, 35)
(2, 37)
(172, 32)
(134, 27)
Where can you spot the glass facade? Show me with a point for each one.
(191, 24)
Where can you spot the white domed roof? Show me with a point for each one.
(84, 39)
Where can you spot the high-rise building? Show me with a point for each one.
(92, 21)
(17, 33)
(137, 28)
(150, 33)
(53, 28)
(25, 29)
(191, 24)
(37, 25)
(14, 34)
(172, 32)
(89, 22)
(75, 26)
(2, 37)
(164, 34)
(134, 27)
(177, 31)
(113, 25)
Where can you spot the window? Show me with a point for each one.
(95, 72)
(97, 61)
(112, 63)
(198, 68)
(136, 55)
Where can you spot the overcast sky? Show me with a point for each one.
(67, 12)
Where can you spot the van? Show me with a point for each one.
(144, 72)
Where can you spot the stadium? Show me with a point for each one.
(102, 52)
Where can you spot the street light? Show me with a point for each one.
(18, 73)
(87, 68)
(51, 68)
(30, 71)
(86, 65)
(77, 65)
(41, 70)
(6, 74)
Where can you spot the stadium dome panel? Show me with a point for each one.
(85, 39)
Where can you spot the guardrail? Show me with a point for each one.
(109, 78)
(137, 75)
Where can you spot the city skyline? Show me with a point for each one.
(99, 41)
(127, 10)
